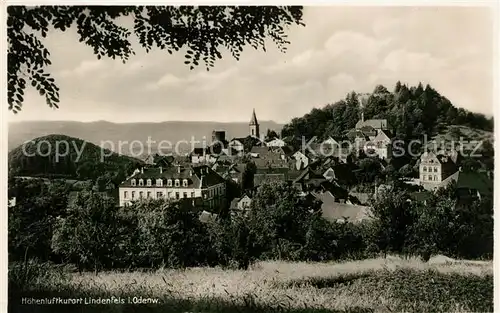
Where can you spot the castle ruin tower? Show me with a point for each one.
(254, 126)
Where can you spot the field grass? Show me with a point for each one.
(389, 284)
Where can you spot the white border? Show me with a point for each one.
(3, 116)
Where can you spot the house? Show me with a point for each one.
(308, 179)
(241, 204)
(380, 145)
(268, 175)
(341, 173)
(244, 144)
(233, 172)
(301, 160)
(276, 142)
(198, 155)
(331, 141)
(176, 182)
(471, 184)
(377, 124)
(434, 168)
(336, 211)
(207, 217)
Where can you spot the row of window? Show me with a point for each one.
(430, 169)
(159, 194)
(430, 177)
(159, 182)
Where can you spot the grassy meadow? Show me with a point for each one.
(391, 284)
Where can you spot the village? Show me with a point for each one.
(321, 171)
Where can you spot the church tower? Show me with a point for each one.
(254, 126)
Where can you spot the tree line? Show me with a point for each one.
(93, 233)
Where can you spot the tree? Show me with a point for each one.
(32, 218)
(201, 30)
(393, 215)
(87, 235)
(270, 135)
(280, 220)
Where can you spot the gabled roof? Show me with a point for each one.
(471, 180)
(309, 174)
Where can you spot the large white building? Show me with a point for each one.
(175, 182)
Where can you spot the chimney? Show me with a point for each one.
(362, 117)
(161, 170)
(178, 168)
(142, 170)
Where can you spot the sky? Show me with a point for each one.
(341, 49)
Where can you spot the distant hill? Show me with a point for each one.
(77, 159)
(102, 131)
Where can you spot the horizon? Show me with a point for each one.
(341, 49)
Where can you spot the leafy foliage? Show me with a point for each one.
(32, 218)
(202, 31)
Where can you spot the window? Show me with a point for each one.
(177, 195)
(132, 182)
(177, 183)
(140, 194)
(133, 195)
(149, 194)
(192, 194)
(169, 183)
(425, 168)
(430, 177)
(125, 194)
(159, 194)
(185, 195)
(148, 182)
(159, 182)
(185, 183)
(141, 182)
(435, 169)
(169, 195)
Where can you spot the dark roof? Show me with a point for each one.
(309, 174)
(198, 176)
(375, 123)
(475, 180)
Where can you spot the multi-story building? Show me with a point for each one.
(175, 182)
(435, 168)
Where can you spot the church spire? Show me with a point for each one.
(253, 121)
(254, 125)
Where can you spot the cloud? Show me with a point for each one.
(342, 48)
(85, 67)
(406, 61)
(167, 80)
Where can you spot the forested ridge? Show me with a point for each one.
(411, 112)
(82, 160)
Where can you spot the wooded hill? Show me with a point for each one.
(411, 112)
(83, 160)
